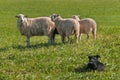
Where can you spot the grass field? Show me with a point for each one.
(58, 61)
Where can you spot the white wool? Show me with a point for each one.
(35, 27)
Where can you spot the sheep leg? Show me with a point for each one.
(80, 36)
(53, 37)
(54, 33)
(77, 37)
(49, 39)
(63, 39)
(94, 34)
(87, 36)
(28, 41)
(69, 40)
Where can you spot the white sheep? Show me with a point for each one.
(35, 27)
(87, 26)
(66, 27)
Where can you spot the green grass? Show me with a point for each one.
(58, 61)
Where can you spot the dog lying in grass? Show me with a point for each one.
(94, 64)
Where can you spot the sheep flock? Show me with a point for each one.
(55, 24)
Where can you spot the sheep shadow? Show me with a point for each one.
(40, 45)
(35, 46)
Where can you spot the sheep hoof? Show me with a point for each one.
(28, 46)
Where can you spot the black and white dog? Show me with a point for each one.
(94, 64)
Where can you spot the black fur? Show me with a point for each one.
(54, 33)
(94, 64)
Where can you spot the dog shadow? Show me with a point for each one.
(3, 49)
(85, 69)
(81, 69)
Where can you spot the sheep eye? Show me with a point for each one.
(54, 17)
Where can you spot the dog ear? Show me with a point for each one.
(89, 57)
(98, 56)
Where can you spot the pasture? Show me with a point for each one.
(59, 61)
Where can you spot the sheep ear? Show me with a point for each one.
(98, 56)
(58, 15)
(26, 16)
(16, 16)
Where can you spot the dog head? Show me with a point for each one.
(93, 59)
(93, 62)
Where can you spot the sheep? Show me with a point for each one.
(35, 27)
(66, 27)
(87, 26)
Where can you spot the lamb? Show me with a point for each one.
(66, 27)
(87, 26)
(35, 27)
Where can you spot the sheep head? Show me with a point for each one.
(21, 17)
(76, 17)
(55, 17)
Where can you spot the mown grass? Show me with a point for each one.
(58, 61)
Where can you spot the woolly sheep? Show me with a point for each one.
(35, 27)
(87, 26)
(66, 27)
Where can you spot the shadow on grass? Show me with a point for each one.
(35, 46)
(21, 47)
(81, 69)
(84, 69)
(3, 49)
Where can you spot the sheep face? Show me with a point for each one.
(21, 18)
(54, 17)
